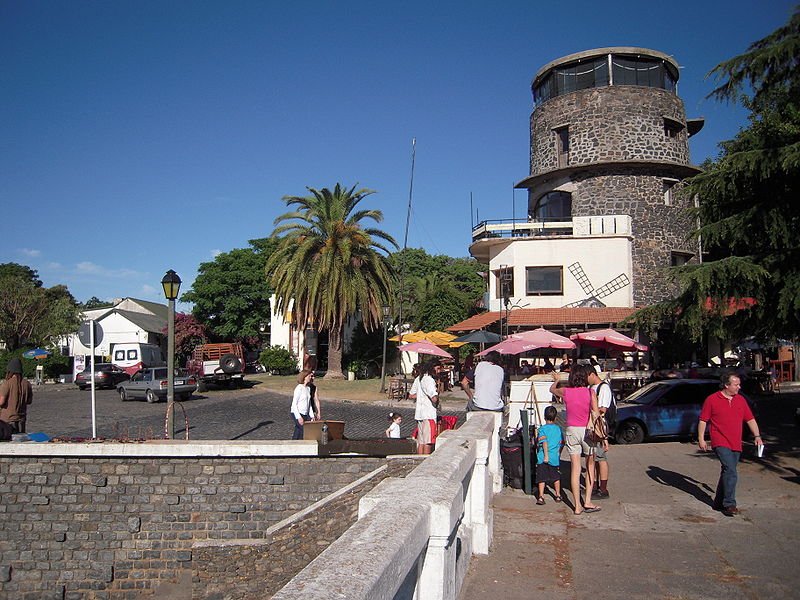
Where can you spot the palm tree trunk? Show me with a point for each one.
(335, 335)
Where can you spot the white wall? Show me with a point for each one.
(116, 329)
(603, 258)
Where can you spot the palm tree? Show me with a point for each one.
(330, 266)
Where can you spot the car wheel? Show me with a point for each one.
(630, 432)
(151, 397)
(123, 395)
(186, 395)
(202, 387)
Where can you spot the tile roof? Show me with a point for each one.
(543, 317)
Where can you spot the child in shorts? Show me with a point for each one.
(548, 447)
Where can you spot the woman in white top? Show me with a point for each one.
(302, 409)
(423, 390)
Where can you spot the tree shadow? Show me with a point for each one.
(251, 430)
(682, 482)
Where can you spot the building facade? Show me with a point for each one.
(609, 150)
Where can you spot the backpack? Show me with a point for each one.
(611, 411)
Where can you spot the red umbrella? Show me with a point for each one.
(530, 340)
(608, 338)
(425, 347)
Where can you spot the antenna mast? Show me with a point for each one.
(405, 237)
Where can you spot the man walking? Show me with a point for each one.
(725, 411)
(605, 400)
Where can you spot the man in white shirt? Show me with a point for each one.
(605, 398)
(489, 384)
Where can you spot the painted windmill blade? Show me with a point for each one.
(580, 276)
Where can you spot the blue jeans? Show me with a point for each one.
(726, 488)
(297, 434)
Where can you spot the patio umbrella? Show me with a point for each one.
(545, 339)
(36, 353)
(424, 347)
(609, 339)
(480, 336)
(510, 346)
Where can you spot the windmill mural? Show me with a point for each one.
(593, 295)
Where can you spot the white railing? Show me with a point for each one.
(415, 536)
(577, 226)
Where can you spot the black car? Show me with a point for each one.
(106, 375)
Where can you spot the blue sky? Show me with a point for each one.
(149, 135)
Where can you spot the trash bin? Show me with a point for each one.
(511, 459)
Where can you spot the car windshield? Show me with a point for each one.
(646, 394)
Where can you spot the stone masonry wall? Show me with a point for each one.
(658, 229)
(614, 123)
(257, 569)
(92, 528)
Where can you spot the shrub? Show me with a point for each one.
(277, 359)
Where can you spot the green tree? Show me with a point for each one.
(95, 302)
(328, 266)
(230, 295)
(747, 205)
(30, 313)
(438, 288)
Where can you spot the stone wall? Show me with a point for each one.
(614, 123)
(658, 230)
(106, 527)
(256, 569)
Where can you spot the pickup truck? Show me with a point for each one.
(222, 364)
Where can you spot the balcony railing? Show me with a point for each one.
(577, 226)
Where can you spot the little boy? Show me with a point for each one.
(548, 448)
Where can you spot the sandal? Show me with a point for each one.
(540, 501)
(558, 498)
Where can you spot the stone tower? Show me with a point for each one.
(609, 136)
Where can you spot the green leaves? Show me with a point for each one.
(327, 265)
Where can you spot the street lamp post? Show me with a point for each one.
(385, 308)
(172, 285)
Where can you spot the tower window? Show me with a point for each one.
(672, 128)
(562, 146)
(553, 206)
(668, 186)
(678, 259)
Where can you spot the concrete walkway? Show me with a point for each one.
(657, 536)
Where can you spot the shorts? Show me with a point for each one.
(599, 452)
(547, 473)
(576, 441)
(424, 432)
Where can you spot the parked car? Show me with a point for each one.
(151, 384)
(106, 375)
(221, 364)
(663, 408)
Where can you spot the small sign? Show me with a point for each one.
(85, 333)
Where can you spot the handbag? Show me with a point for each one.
(596, 428)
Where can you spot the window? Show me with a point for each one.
(678, 259)
(647, 72)
(541, 281)
(668, 187)
(504, 282)
(562, 145)
(553, 206)
(119, 355)
(672, 128)
(572, 77)
(133, 355)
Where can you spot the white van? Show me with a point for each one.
(134, 356)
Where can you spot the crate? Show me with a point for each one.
(313, 430)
